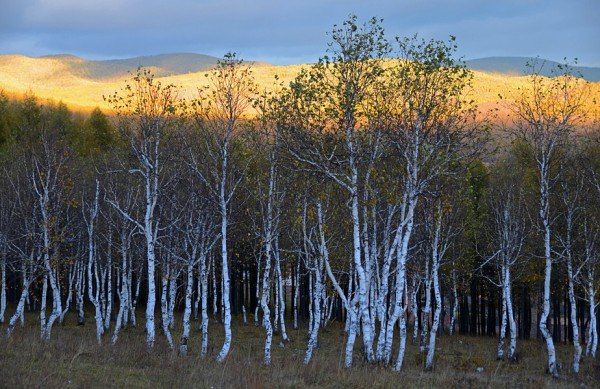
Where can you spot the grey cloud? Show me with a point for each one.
(287, 32)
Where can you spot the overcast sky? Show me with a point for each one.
(284, 31)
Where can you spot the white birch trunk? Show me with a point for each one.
(310, 305)
(348, 301)
(313, 335)
(183, 343)
(196, 305)
(204, 305)
(80, 293)
(454, 304)
(403, 235)
(350, 293)
(109, 284)
(51, 278)
(135, 297)
(592, 338)
(594, 329)
(129, 315)
(258, 280)
(150, 235)
(512, 346)
(92, 263)
(164, 307)
(72, 270)
(296, 294)
(26, 289)
(352, 331)
(363, 290)
(398, 314)
(172, 297)
(435, 265)
(102, 293)
(503, 323)
(124, 293)
(150, 305)
(281, 291)
(401, 257)
(264, 301)
(276, 303)
(427, 308)
(383, 294)
(122, 300)
(20, 308)
(317, 268)
(2, 288)
(572, 300)
(415, 309)
(244, 281)
(544, 213)
(43, 308)
(225, 264)
(214, 288)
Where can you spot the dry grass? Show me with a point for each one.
(73, 359)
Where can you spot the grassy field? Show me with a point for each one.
(73, 359)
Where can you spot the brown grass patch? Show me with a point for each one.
(73, 359)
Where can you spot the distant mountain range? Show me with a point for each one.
(162, 64)
(183, 63)
(517, 66)
(82, 83)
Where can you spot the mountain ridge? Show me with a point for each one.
(82, 83)
(170, 64)
(518, 66)
(162, 65)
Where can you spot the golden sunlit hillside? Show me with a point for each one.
(81, 83)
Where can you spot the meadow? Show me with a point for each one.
(72, 358)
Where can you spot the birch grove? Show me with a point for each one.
(363, 198)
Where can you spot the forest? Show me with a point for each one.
(368, 206)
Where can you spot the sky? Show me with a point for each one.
(286, 32)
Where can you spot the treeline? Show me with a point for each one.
(370, 191)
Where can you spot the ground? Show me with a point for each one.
(73, 359)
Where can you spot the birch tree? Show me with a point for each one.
(545, 114)
(6, 212)
(570, 193)
(443, 229)
(221, 116)
(591, 256)
(147, 111)
(23, 243)
(199, 237)
(334, 141)
(47, 169)
(507, 239)
(591, 236)
(128, 200)
(314, 257)
(270, 196)
(90, 217)
(429, 126)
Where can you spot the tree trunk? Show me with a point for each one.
(183, 342)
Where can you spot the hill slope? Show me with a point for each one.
(517, 66)
(82, 83)
(163, 65)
